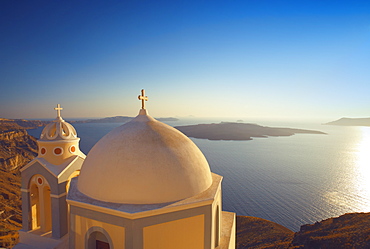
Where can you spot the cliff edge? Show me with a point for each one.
(346, 231)
(257, 233)
(17, 148)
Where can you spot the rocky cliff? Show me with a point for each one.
(17, 148)
(10, 207)
(257, 233)
(14, 124)
(346, 231)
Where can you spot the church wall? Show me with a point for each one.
(26, 210)
(60, 214)
(85, 226)
(45, 211)
(205, 211)
(217, 219)
(62, 190)
(228, 230)
(134, 228)
(233, 236)
(180, 234)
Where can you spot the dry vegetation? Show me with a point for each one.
(10, 206)
(17, 148)
(258, 233)
(347, 231)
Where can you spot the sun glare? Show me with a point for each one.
(363, 167)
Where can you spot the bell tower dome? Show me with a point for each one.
(58, 141)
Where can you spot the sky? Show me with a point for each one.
(252, 58)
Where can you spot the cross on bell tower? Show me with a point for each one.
(143, 98)
(58, 109)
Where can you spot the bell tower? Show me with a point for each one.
(45, 180)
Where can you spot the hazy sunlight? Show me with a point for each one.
(363, 167)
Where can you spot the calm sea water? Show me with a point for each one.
(289, 180)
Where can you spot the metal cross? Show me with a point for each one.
(58, 109)
(143, 98)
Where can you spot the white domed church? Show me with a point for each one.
(144, 185)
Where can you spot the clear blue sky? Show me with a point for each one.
(270, 59)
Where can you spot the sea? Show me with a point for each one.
(294, 180)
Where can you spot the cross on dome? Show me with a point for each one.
(143, 98)
(58, 109)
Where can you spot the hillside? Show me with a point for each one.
(257, 233)
(17, 148)
(238, 131)
(15, 124)
(10, 206)
(351, 122)
(346, 231)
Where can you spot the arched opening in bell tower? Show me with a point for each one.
(40, 201)
(35, 206)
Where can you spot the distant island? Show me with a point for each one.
(167, 119)
(350, 122)
(238, 131)
(117, 119)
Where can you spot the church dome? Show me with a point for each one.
(58, 141)
(144, 161)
